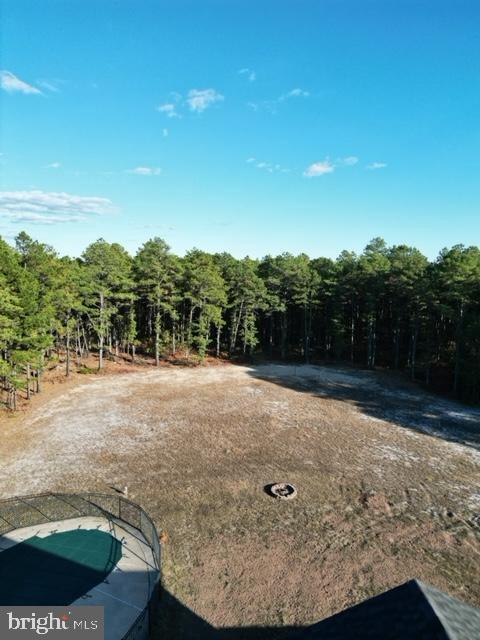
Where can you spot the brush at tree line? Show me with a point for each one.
(387, 307)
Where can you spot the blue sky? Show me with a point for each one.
(248, 126)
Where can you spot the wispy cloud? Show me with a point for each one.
(165, 133)
(169, 109)
(197, 100)
(41, 207)
(41, 218)
(249, 73)
(349, 161)
(376, 165)
(145, 171)
(319, 169)
(10, 83)
(50, 85)
(272, 105)
(267, 166)
(200, 99)
(53, 165)
(327, 166)
(264, 105)
(294, 93)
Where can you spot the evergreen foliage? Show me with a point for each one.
(388, 307)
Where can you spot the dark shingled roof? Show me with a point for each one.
(412, 611)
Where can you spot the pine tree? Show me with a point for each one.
(107, 292)
(204, 294)
(157, 275)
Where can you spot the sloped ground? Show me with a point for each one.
(387, 480)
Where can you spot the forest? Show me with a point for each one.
(389, 307)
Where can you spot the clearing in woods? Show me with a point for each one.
(387, 480)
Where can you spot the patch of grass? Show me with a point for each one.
(87, 370)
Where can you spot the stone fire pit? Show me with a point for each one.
(283, 490)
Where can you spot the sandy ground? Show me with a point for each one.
(387, 479)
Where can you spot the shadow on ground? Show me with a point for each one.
(380, 397)
(35, 575)
(176, 622)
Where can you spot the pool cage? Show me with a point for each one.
(31, 510)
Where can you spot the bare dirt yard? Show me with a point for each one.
(387, 479)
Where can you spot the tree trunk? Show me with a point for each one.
(189, 330)
(352, 336)
(396, 344)
(28, 381)
(244, 349)
(236, 326)
(182, 327)
(78, 347)
(157, 338)
(232, 340)
(67, 366)
(270, 335)
(306, 337)
(372, 339)
(458, 350)
(102, 331)
(219, 330)
(413, 356)
(284, 327)
(85, 343)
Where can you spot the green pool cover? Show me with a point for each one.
(58, 569)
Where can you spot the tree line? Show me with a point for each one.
(387, 307)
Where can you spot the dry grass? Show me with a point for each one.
(385, 493)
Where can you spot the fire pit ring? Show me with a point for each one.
(282, 490)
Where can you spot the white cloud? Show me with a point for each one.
(249, 73)
(197, 101)
(53, 165)
(267, 166)
(146, 171)
(43, 207)
(319, 169)
(200, 99)
(376, 165)
(272, 105)
(294, 93)
(169, 109)
(49, 85)
(165, 133)
(349, 161)
(327, 166)
(10, 83)
(38, 218)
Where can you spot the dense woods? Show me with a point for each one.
(388, 307)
